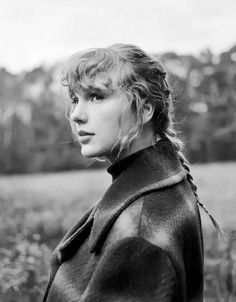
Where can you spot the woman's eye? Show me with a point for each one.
(75, 100)
(96, 98)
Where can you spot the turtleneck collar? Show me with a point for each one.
(147, 170)
(118, 167)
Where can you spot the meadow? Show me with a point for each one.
(37, 209)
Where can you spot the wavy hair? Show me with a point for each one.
(143, 79)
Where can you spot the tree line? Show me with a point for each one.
(36, 136)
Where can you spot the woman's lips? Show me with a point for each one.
(84, 136)
(84, 139)
(84, 133)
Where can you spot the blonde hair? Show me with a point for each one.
(143, 79)
(140, 77)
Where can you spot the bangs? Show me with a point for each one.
(83, 68)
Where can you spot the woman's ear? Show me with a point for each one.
(148, 111)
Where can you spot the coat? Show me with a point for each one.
(141, 242)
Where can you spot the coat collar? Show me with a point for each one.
(155, 167)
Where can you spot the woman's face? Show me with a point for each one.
(97, 111)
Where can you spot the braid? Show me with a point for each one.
(164, 127)
(171, 136)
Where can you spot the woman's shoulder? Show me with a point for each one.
(173, 204)
(171, 216)
(169, 211)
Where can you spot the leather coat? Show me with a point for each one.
(141, 242)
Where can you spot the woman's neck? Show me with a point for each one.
(145, 139)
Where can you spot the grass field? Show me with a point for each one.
(37, 209)
(72, 191)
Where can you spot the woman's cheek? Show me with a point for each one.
(111, 123)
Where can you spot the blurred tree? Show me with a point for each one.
(36, 136)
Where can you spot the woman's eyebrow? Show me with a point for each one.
(106, 91)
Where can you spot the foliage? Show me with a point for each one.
(220, 267)
(206, 103)
(24, 269)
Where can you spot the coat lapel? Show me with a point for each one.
(75, 235)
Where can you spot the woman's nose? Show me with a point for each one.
(79, 114)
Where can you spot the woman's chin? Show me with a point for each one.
(89, 152)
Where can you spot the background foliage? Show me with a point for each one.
(35, 135)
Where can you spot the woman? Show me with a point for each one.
(143, 240)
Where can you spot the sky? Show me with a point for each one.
(35, 32)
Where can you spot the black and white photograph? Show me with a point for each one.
(118, 151)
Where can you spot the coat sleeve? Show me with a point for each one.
(131, 270)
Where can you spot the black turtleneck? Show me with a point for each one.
(118, 167)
